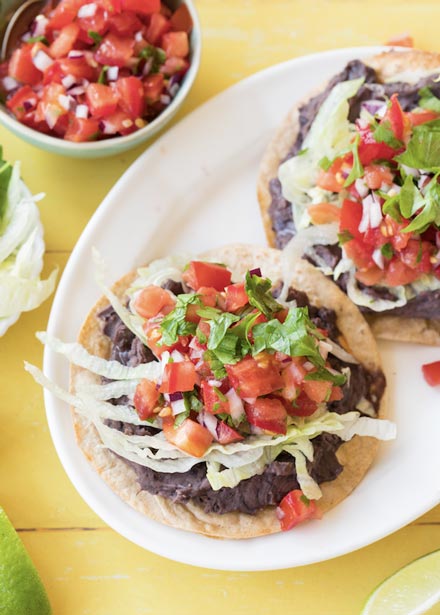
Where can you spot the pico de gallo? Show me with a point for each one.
(89, 70)
(389, 217)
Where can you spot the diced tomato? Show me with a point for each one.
(421, 116)
(118, 123)
(417, 255)
(124, 24)
(398, 273)
(208, 298)
(324, 213)
(144, 7)
(351, 216)
(303, 406)
(189, 436)
(336, 394)
(23, 101)
(178, 377)
(63, 14)
(236, 297)
(226, 434)
(401, 40)
(174, 66)
(145, 398)
(101, 99)
(293, 376)
(393, 232)
(252, 377)
(131, 96)
(115, 50)
(65, 41)
(371, 150)
(370, 277)
(175, 44)
(80, 129)
(332, 179)
(268, 414)
(295, 508)
(97, 23)
(360, 253)
(200, 274)
(376, 175)
(397, 119)
(159, 25)
(181, 19)
(213, 402)
(21, 67)
(317, 390)
(153, 87)
(431, 373)
(77, 67)
(151, 300)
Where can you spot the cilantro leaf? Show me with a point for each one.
(97, 38)
(182, 416)
(175, 324)
(219, 326)
(391, 206)
(344, 236)
(428, 100)
(423, 149)
(258, 291)
(325, 374)
(215, 365)
(383, 133)
(325, 163)
(102, 77)
(387, 250)
(357, 169)
(430, 208)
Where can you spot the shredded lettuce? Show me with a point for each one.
(21, 249)
(328, 136)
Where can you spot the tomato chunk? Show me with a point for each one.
(421, 116)
(181, 19)
(268, 414)
(159, 25)
(175, 44)
(252, 377)
(190, 436)
(295, 508)
(324, 213)
(213, 399)
(144, 7)
(303, 406)
(65, 41)
(145, 398)
(21, 67)
(22, 102)
(431, 373)
(151, 300)
(236, 297)
(80, 130)
(131, 96)
(178, 377)
(317, 390)
(226, 434)
(351, 216)
(206, 274)
(115, 50)
(101, 99)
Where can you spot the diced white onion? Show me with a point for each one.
(236, 407)
(209, 421)
(324, 349)
(39, 25)
(340, 353)
(41, 60)
(87, 10)
(112, 73)
(361, 187)
(215, 383)
(410, 171)
(51, 115)
(77, 91)
(82, 111)
(65, 101)
(174, 89)
(68, 81)
(378, 258)
(9, 83)
(178, 406)
(177, 356)
(371, 213)
(75, 54)
(147, 67)
(138, 36)
(165, 99)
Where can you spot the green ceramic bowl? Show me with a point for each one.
(112, 145)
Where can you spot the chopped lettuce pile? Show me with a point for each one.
(21, 249)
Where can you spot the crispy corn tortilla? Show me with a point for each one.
(408, 66)
(355, 455)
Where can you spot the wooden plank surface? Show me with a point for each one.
(87, 568)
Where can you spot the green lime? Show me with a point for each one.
(21, 590)
(412, 590)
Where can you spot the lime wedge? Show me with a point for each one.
(21, 590)
(412, 590)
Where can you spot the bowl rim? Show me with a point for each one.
(124, 142)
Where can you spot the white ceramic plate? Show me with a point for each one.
(195, 188)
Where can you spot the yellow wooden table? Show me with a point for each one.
(87, 567)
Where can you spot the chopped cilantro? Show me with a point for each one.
(305, 500)
(357, 169)
(219, 327)
(325, 374)
(215, 365)
(157, 54)
(383, 133)
(325, 163)
(344, 236)
(220, 394)
(182, 416)
(258, 291)
(423, 149)
(175, 323)
(387, 250)
(96, 38)
(102, 74)
(38, 39)
(428, 100)
(226, 418)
